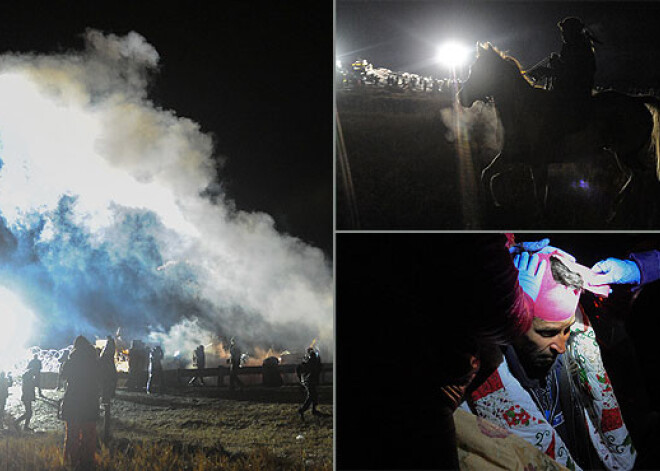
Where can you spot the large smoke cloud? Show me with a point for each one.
(113, 215)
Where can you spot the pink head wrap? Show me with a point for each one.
(556, 302)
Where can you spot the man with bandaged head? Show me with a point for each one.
(551, 389)
(450, 301)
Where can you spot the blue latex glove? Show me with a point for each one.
(530, 273)
(540, 246)
(616, 271)
(529, 246)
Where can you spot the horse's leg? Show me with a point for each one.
(486, 179)
(489, 174)
(539, 175)
(624, 169)
(628, 175)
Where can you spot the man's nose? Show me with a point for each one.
(559, 345)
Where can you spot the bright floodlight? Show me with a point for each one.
(453, 54)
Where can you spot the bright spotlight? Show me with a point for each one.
(453, 54)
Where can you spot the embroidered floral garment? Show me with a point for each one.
(503, 401)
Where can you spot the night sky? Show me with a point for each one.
(403, 36)
(256, 76)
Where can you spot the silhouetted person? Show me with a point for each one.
(155, 370)
(271, 372)
(27, 397)
(35, 365)
(574, 68)
(80, 403)
(137, 364)
(309, 372)
(5, 384)
(108, 382)
(234, 365)
(61, 360)
(199, 362)
(108, 371)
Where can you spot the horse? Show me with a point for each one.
(538, 130)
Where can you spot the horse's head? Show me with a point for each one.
(487, 75)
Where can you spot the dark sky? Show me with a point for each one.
(256, 75)
(404, 35)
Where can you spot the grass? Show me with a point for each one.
(407, 173)
(44, 452)
(187, 428)
(394, 156)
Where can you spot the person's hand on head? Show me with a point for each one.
(616, 271)
(539, 246)
(530, 272)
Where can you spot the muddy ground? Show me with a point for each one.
(208, 417)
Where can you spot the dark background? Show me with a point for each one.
(403, 36)
(256, 75)
(403, 298)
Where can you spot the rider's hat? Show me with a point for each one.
(571, 24)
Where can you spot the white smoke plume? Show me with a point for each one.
(481, 123)
(112, 215)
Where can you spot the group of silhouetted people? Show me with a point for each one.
(141, 359)
(308, 373)
(87, 379)
(234, 361)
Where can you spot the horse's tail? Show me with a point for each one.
(653, 105)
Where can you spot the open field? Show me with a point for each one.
(259, 424)
(410, 172)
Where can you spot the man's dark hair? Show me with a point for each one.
(563, 275)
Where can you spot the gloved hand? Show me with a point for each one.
(530, 246)
(540, 246)
(616, 271)
(530, 273)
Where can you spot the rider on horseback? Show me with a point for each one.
(574, 68)
(571, 72)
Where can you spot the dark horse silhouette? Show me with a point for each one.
(538, 129)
